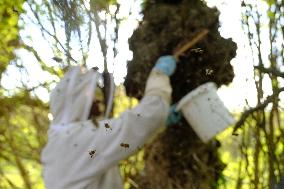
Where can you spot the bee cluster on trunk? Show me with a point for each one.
(177, 158)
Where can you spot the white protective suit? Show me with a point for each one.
(66, 160)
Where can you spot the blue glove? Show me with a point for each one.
(166, 64)
(174, 116)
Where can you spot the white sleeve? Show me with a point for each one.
(134, 127)
(158, 84)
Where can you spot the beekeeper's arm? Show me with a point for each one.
(134, 127)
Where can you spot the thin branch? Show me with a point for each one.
(19, 163)
(81, 47)
(67, 53)
(89, 34)
(257, 152)
(247, 113)
(102, 41)
(44, 66)
(51, 12)
(46, 3)
(191, 43)
(115, 39)
(272, 71)
(10, 182)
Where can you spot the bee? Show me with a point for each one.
(124, 145)
(107, 126)
(197, 50)
(140, 147)
(92, 153)
(57, 59)
(235, 134)
(15, 10)
(95, 68)
(138, 115)
(208, 71)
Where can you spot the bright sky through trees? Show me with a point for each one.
(233, 96)
(242, 88)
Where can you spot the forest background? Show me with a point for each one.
(40, 38)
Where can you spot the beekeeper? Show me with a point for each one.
(82, 155)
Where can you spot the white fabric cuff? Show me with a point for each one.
(158, 84)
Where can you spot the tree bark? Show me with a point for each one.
(177, 158)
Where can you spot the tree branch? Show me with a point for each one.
(67, 53)
(41, 62)
(103, 45)
(272, 71)
(246, 114)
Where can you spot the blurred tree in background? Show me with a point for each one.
(67, 27)
(9, 30)
(261, 162)
(76, 30)
(19, 142)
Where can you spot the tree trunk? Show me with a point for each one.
(177, 158)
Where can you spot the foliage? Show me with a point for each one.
(22, 137)
(261, 160)
(68, 27)
(9, 30)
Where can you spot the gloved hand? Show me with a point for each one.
(174, 116)
(166, 64)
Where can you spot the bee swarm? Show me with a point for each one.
(177, 158)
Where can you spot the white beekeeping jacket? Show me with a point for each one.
(66, 161)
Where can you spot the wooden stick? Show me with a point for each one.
(185, 47)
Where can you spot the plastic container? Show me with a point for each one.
(205, 112)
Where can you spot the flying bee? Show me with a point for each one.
(197, 50)
(95, 68)
(107, 126)
(92, 153)
(57, 59)
(124, 145)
